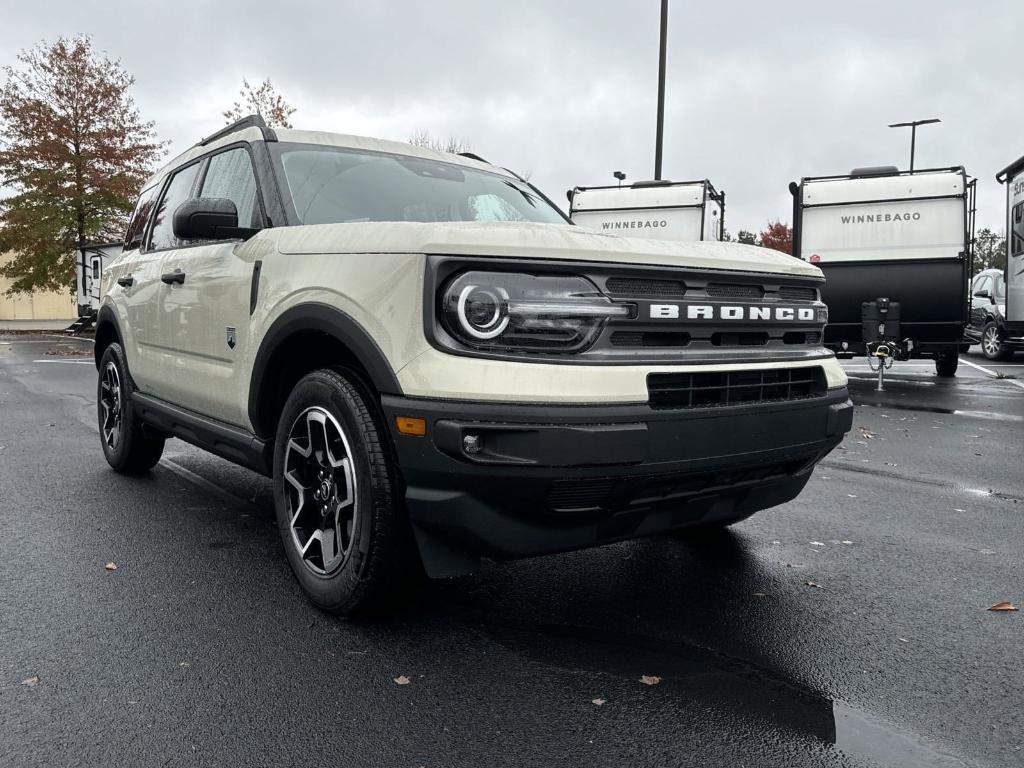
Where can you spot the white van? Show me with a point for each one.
(895, 247)
(664, 210)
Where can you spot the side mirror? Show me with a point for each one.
(209, 218)
(982, 294)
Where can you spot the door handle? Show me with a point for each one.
(177, 276)
(126, 282)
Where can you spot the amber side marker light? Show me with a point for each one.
(411, 425)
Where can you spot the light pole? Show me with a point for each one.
(661, 91)
(912, 125)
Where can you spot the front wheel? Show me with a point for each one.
(992, 343)
(126, 445)
(946, 362)
(336, 497)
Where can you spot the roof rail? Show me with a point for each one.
(249, 121)
(472, 156)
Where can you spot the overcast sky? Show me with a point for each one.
(758, 94)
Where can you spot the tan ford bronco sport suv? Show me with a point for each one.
(435, 366)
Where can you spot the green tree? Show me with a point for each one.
(74, 151)
(262, 100)
(747, 238)
(989, 251)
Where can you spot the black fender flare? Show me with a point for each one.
(106, 316)
(316, 316)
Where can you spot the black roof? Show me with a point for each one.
(1010, 170)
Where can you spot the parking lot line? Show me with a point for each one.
(992, 373)
(82, 361)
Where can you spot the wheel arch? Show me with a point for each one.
(302, 339)
(107, 332)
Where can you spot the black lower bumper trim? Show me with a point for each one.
(505, 481)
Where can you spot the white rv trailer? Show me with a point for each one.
(88, 271)
(664, 210)
(895, 248)
(1013, 177)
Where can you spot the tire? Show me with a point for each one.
(946, 362)
(992, 343)
(341, 522)
(126, 446)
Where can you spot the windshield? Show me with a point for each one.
(329, 185)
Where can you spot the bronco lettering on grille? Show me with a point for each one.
(731, 312)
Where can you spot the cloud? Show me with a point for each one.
(758, 94)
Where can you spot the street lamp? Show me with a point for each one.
(620, 176)
(912, 125)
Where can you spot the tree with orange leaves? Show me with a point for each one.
(74, 150)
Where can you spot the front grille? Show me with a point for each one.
(798, 293)
(649, 339)
(722, 388)
(730, 291)
(801, 337)
(628, 286)
(739, 339)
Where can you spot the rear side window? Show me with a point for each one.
(230, 176)
(178, 192)
(137, 224)
(1017, 230)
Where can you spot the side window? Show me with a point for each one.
(1017, 230)
(137, 224)
(178, 191)
(984, 284)
(998, 292)
(230, 176)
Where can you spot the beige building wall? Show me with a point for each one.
(44, 305)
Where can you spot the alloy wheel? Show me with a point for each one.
(990, 341)
(321, 493)
(112, 402)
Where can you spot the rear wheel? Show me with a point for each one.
(335, 491)
(126, 446)
(946, 362)
(992, 343)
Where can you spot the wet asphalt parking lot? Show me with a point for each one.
(847, 627)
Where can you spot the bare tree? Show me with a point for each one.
(262, 100)
(422, 138)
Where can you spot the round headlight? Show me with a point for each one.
(483, 312)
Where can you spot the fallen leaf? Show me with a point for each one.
(402, 680)
(111, 566)
(597, 702)
(814, 584)
(866, 433)
(650, 679)
(1005, 605)
(31, 681)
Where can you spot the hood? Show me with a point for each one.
(536, 241)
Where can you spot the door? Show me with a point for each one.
(95, 274)
(981, 291)
(151, 367)
(204, 318)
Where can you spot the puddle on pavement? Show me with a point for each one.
(703, 682)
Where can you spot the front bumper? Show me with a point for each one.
(549, 478)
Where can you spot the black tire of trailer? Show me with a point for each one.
(947, 361)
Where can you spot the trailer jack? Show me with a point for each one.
(883, 357)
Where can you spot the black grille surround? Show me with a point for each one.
(644, 336)
(723, 388)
